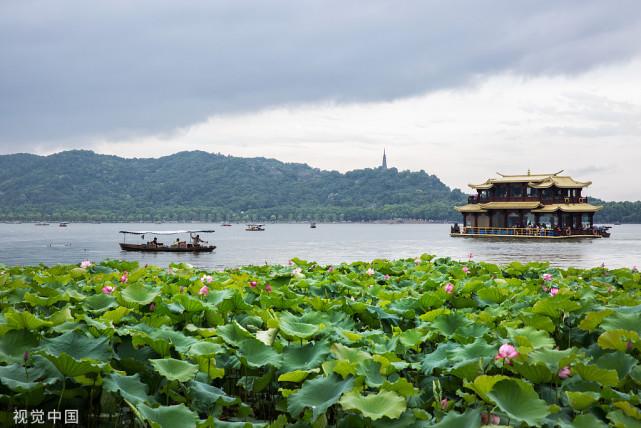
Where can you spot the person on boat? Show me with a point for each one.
(196, 241)
(155, 241)
(177, 243)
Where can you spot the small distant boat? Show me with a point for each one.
(255, 228)
(42, 224)
(63, 224)
(156, 247)
(226, 224)
(618, 223)
(313, 225)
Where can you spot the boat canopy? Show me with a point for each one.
(164, 232)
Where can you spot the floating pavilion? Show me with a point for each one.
(529, 206)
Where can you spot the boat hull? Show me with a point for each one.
(163, 249)
(512, 237)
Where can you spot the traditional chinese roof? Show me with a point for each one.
(470, 208)
(537, 181)
(511, 205)
(569, 208)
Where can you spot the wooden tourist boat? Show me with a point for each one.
(255, 228)
(529, 206)
(176, 247)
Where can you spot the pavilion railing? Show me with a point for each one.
(524, 231)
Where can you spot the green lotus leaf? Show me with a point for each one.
(582, 400)
(306, 357)
(470, 419)
(296, 327)
(14, 344)
(375, 406)
(281, 422)
(319, 394)
(555, 306)
(204, 397)
(233, 333)
(623, 321)
(257, 354)
(138, 294)
(535, 373)
(592, 319)
(100, 302)
(296, 375)
(173, 369)
(483, 384)
(78, 346)
(492, 295)
(36, 300)
(204, 349)
(617, 339)
(437, 359)
(169, 416)
(17, 379)
(129, 388)
(71, 367)
(17, 320)
(519, 401)
(411, 338)
(188, 303)
(594, 373)
(619, 361)
(115, 316)
(621, 420)
(401, 386)
(530, 337)
(449, 324)
(267, 336)
(552, 358)
(588, 421)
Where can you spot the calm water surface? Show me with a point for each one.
(27, 244)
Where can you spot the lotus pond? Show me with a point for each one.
(406, 343)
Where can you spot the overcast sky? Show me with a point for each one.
(459, 89)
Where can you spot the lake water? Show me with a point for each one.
(27, 244)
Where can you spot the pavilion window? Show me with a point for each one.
(516, 190)
(513, 219)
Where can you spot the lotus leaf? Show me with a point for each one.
(173, 369)
(319, 394)
(375, 406)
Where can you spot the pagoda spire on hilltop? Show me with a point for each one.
(384, 164)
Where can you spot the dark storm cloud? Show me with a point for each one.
(73, 70)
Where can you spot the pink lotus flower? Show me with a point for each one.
(554, 291)
(545, 289)
(449, 288)
(108, 289)
(290, 262)
(444, 403)
(370, 272)
(417, 260)
(268, 288)
(565, 372)
(203, 290)
(547, 277)
(298, 272)
(635, 268)
(207, 278)
(152, 306)
(253, 284)
(330, 268)
(466, 269)
(85, 264)
(386, 277)
(629, 346)
(506, 352)
(125, 277)
(25, 356)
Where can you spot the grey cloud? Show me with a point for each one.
(72, 70)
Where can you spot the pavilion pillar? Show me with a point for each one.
(504, 218)
(591, 220)
(521, 218)
(476, 220)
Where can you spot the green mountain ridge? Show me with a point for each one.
(80, 185)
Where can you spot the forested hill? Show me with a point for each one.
(84, 186)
